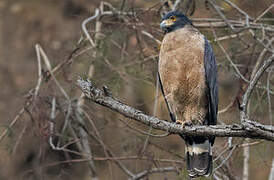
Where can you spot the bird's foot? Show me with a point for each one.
(184, 123)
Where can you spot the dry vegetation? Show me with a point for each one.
(50, 131)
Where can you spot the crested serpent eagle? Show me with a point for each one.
(188, 77)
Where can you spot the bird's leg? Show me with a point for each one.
(179, 121)
(183, 123)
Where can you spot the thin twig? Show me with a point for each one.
(84, 28)
(144, 173)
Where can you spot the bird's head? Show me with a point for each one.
(174, 20)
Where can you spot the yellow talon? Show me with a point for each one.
(179, 122)
(184, 123)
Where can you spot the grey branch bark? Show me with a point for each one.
(248, 129)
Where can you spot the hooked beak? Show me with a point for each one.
(165, 24)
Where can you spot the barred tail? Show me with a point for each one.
(199, 157)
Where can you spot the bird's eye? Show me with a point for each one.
(173, 18)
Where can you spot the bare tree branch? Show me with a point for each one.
(248, 129)
(254, 81)
(271, 174)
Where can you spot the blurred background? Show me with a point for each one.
(47, 130)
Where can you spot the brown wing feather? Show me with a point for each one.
(170, 110)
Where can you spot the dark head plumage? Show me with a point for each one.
(174, 20)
